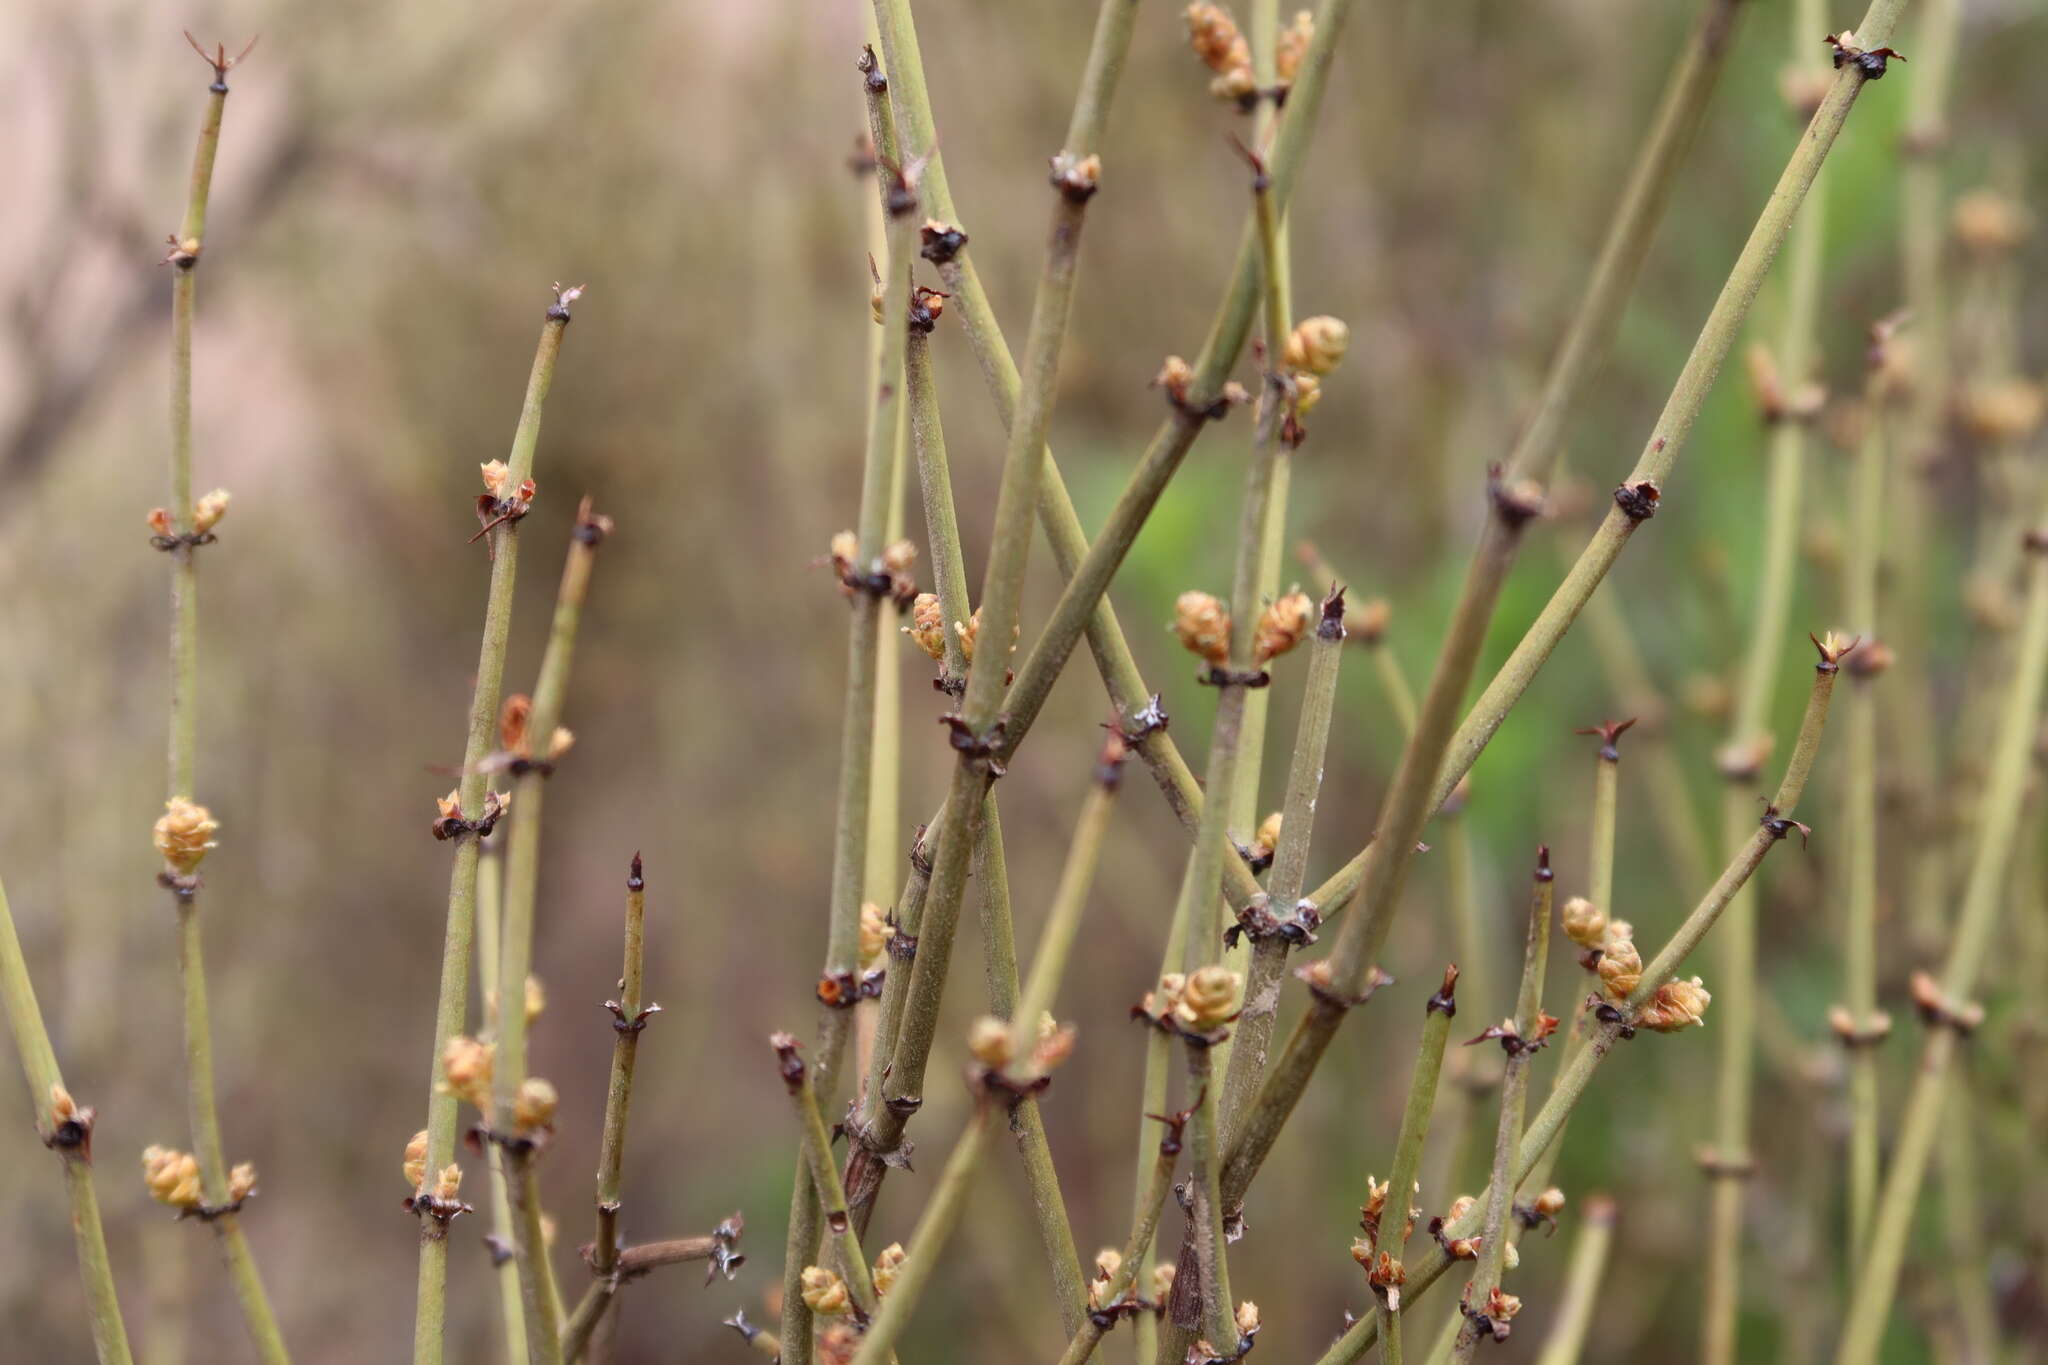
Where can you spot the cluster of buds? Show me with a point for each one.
(1313, 349)
(1216, 39)
(1007, 1054)
(1620, 966)
(927, 628)
(448, 821)
(887, 576)
(1776, 402)
(184, 835)
(502, 500)
(1384, 1275)
(515, 743)
(1493, 1319)
(1284, 624)
(442, 1199)
(1247, 1323)
(1177, 378)
(206, 514)
(1108, 1262)
(1202, 623)
(1467, 1248)
(1674, 1006)
(466, 1069)
(1373, 1210)
(1512, 1040)
(1987, 223)
(172, 1177)
(888, 1267)
(825, 1293)
(1198, 1003)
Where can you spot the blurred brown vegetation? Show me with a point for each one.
(398, 185)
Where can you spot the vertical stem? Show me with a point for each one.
(69, 1135)
(490, 889)
(186, 251)
(628, 1018)
(1514, 1093)
(1422, 1085)
(452, 1010)
(1581, 1285)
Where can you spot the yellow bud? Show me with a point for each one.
(241, 1181)
(989, 1041)
(448, 1183)
(1550, 1202)
(1986, 221)
(560, 742)
(874, 933)
(1584, 922)
(466, 1066)
(172, 1177)
(888, 1266)
(1210, 998)
(534, 1105)
(1216, 40)
(927, 628)
(825, 1293)
(1247, 1318)
(536, 998)
(1621, 966)
(1293, 44)
(898, 556)
(497, 478)
(845, 549)
(416, 1160)
(1308, 391)
(1108, 1262)
(1317, 344)
(1203, 625)
(1162, 1280)
(1675, 1005)
(1267, 838)
(184, 834)
(207, 512)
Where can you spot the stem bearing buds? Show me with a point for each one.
(533, 1107)
(888, 575)
(172, 1177)
(1871, 63)
(1177, 377)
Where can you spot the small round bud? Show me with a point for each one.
(989, 1042)
(207, 512)
(241, 1181)
(160, 522)
(534, 1105)
(1675, 1005)
(466, 1067)
(1210, 998)
(1584, 923)
(416, 1160)
(1108, 1262)
(927, 628)
(1247, 1318)
(2001, 411)
(560, 742)
(1621, 966)
(1054, 1044)
(874, 933)
(1282, 626)
(1292, 45)
(888, 1266)
(1988, 223)
(172, 1177)
(845, 549)
(825, 1293)
(1317, 344)
(1551, 1202)
(1267, 838)
(448, 1183)
(184, 834)
(497, 477)
(898, 556)
(1203, 625)
(1214, 36)
(536, 998)
(1308, 391)
(1162, 1280)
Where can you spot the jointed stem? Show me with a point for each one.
(1394, 1214)
(1581, 1284)
(490, 899)
(628, 1019)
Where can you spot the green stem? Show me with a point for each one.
(46, 1086)
(1401, 1183)
(1468, 1080)
(628, 1018)
(1983, 896)
(1548, 1125)
(1152, 1193)
(1514, 1094)
(452, 1010)
(490, 886)
(543, 1313)
(1581, 1285)
(824, 1175)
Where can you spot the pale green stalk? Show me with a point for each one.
(1582, 1278)
(628, 1018)
(1548, 1125)
(1514, 1094)
(69, 1136)
(187, 249)
(490, 885)
(1469, 1081)
(1756, 690)
(522, 881)
(1983, 897)
(1422, 1085)
(452, 1012)
(1152, 1193)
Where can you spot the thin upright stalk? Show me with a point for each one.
(452, 1011)
(1859, 802)
(490, 897)
(1145, 1222)
(66, 1129)
(522, 882)
(1290, 860)
(1381, 868)
(1755, 692)
(1392, 1237)
(1548, 1125)
(1877, 1277)
(1520, 1046)
(182, 541)
(629, 1018)
(824, 1175)
(1469, 1081)
(1581, 1284)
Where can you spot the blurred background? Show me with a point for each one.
(399, 184)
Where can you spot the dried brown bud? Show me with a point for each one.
(172, 1177)
(207, 512)
(534, 1104)
(1584, 923)
(184, 834)
(1282, 626)
(1203, 625)
(513, 715)
(1210, 998)
(825, 1293)
(466, 1067)
(1675, 1005)
(448, 1183)
(1317, 344)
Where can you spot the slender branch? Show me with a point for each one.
(180, 531)
(490, 897)
(1528, 1032)
(1877, 1277)
(1581, 1285)
(533, 754)
(66, 1129)
(1549, 1122)
(1118, 1292)
(1386, 1275)
(473, 798)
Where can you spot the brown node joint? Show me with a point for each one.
(1258, 923)
(942, 242)
(1610, 732)
(441, 1211)
(1510, 1037)
(500, 1250)
(506, 511)
(183, 886)
(1608, 1013)
(1638, 501)
(213, 1213)
(625, 1023)
(1492, 1329)
(839, 990)
(1176, 1125)
(73, 1134)
(513, 1144)
(1331, 626)
(183, 540)
(1870, 62)
(988, 1080)
(1445, 1001)
(558, 311)
(927, 306)
(1937, 1010)
(1531, 1218)
(1076, 177)
(1516, 503)
(1782, 825)
(1875, 1028)
(1145, 722)
(977, 747)
(455, 827)
(875, 81)
(1215, 676)
(902, 946)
